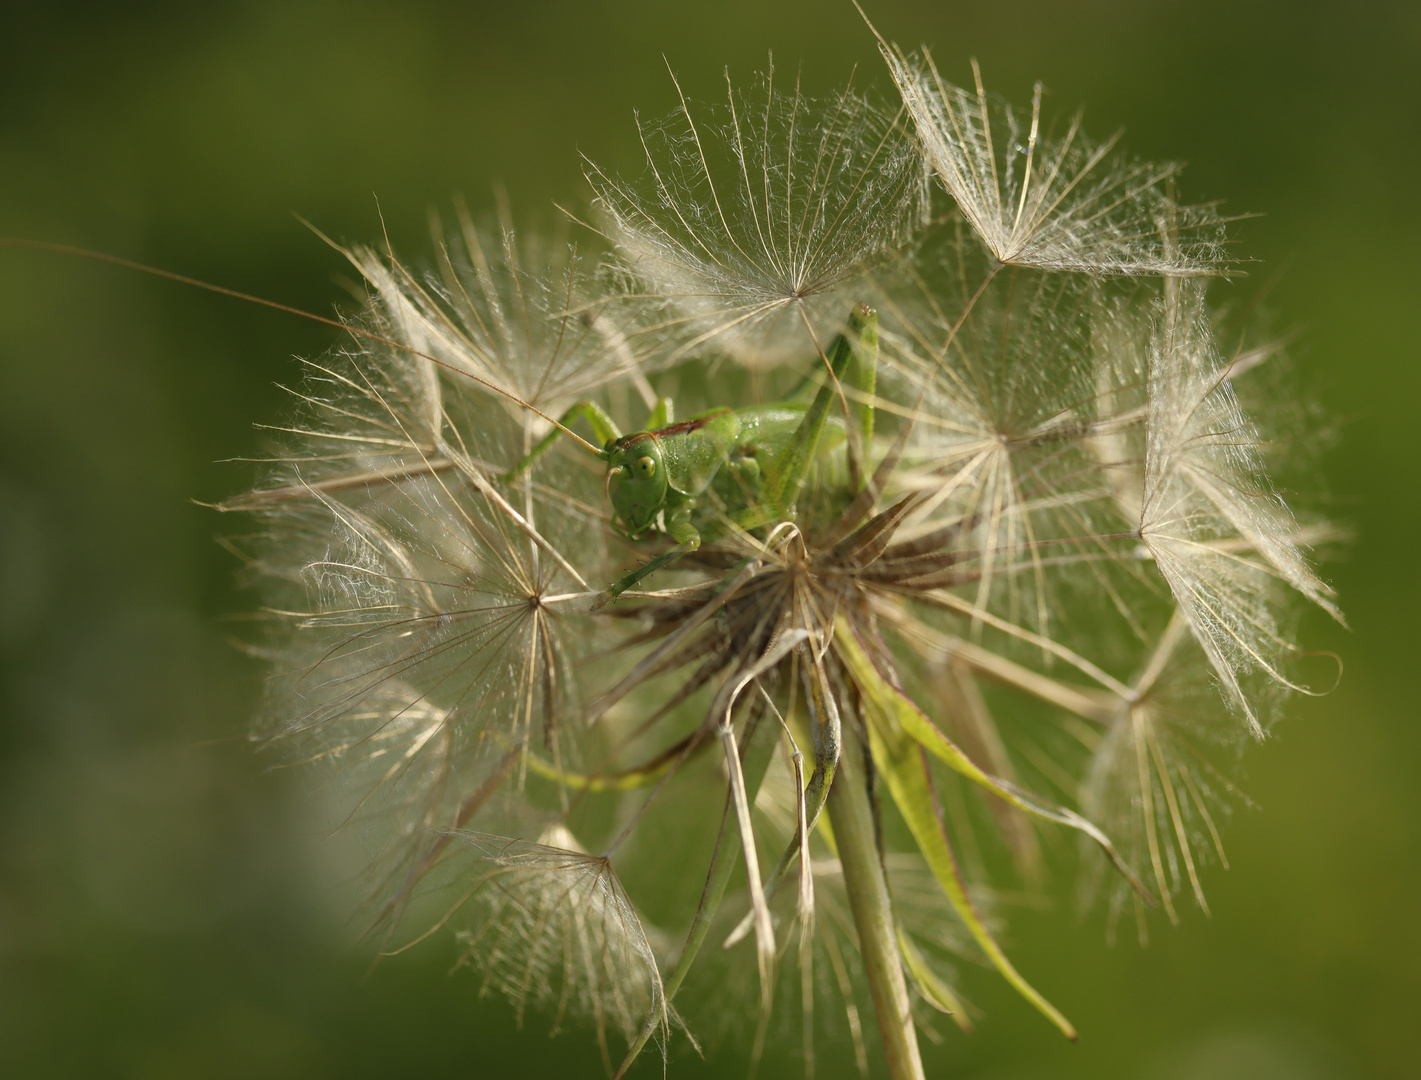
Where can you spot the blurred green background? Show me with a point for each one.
(167, 906)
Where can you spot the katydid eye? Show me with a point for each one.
(646, 466)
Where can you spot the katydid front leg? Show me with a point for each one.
(680, 529)
(663, 413)
(604, 430)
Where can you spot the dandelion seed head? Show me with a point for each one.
(522, 311)
(553, 929)
(1005, 434)
(428, 622)
(1014, 597)
(757, 216)
(1219, 534)
(1159, 775)
(1047, 196)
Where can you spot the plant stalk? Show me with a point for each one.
(851, 815)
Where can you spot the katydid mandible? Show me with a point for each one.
(752, 461)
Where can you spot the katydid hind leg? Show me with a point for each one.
(853, 361)
(862, 381)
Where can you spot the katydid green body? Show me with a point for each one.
(747, 465)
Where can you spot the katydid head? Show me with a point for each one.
(636, 480)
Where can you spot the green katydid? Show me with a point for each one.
(757, 458)
(753, 461)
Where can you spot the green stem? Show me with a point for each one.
(851, 816)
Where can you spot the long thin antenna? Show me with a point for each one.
(221, 290)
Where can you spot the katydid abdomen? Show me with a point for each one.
(745, 485)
